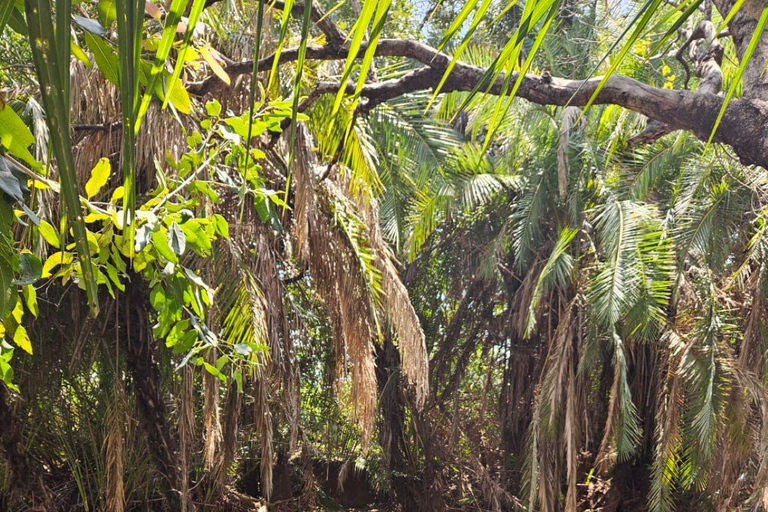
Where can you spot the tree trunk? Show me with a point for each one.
(392, 428)
(147, 387)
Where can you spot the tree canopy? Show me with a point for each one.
(388, 255)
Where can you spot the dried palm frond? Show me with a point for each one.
(281, 370)
(336, 264)
(397, 308)
(664, 472)
(96, 116)
(245, 322)
(621, 433)
(557, 407)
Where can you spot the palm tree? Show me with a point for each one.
(390, 260)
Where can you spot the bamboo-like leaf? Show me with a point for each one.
(503, 103)
(283, 33)
(254, 79)
(63, 13)
(130, 25)
(508, 57)
(458, 22)
(358, 34)
(647, 11)
(479, 15)
(687, 9)
(382, 8)
(734, 10)
(6, 8)
(194, 17)
(52, 71)
(175, 12)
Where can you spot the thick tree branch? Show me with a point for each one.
(742, 126)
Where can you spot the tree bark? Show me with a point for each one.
(147, 387)
(741, 28)
(742, 125)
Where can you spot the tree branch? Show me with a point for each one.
(741, 127)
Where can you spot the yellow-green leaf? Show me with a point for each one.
(99, 176)
(205, 51)
(80, 55)
(49, 234)
(15, 136)
(55, 259)
(21, 338)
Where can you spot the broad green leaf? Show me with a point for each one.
(90, 25)
(207, 54)
(107, 12)
(220, 225)
(177, 333)
(7, 288)
(80, 54)
(179, 98)
(177, 240)
(162, 245)
(213, 108)
(30, 299)
(104, 55)
(10, 183)
(30, 268)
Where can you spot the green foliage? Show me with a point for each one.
(558, 274)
